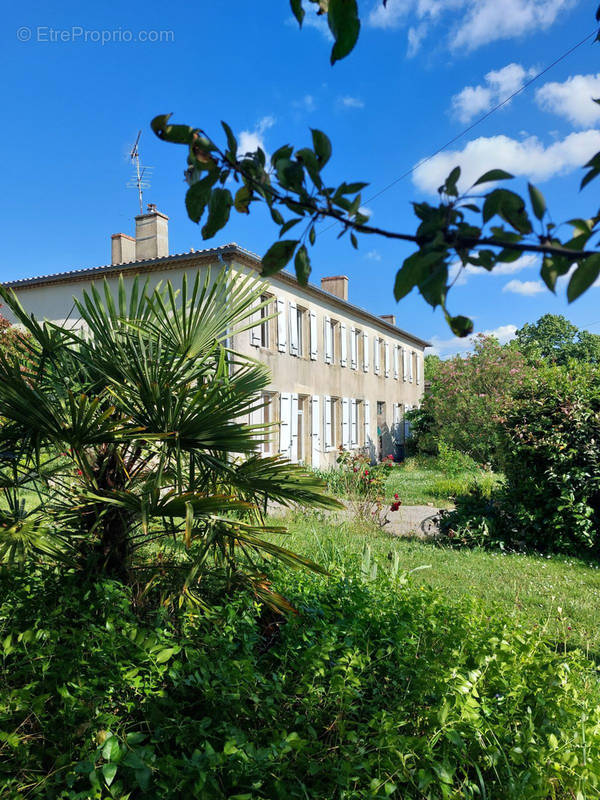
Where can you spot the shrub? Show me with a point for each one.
(378, 688)
(552, 460)
(131, 430)
(362, 485)
(550, 500)
(467, 398)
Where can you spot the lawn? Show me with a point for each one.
(422, 481)
(559, 594)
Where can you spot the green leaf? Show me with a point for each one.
(278, 255)
(111, 749)
(537, 201)
(412, 271)
(322, 146)
(289, 225)
(354, 241)
(165, 655)
(583, 277)
(242, 199)
(196, 199)
(312, 235)
(219, 208)
(493, 175)
(297, 10)
(593, 173)
(460, 326)
(231, 140)
(344, 24)
(109, 771)
(302, 265)
(451, 180)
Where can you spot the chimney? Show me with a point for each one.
(389, 318)
(337, 285)
(122, 248)
(151, 235)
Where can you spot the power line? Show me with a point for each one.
(477, 121)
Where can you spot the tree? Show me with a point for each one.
(475, 227)
(469, 395)
(129, 434)
(431, 367)
(555, 339)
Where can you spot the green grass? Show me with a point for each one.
(531, 587)
(420, 481)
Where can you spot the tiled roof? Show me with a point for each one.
(231, 249)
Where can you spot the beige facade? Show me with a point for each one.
(340, 376)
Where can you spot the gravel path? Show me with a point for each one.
(418, 521)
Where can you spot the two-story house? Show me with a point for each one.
(340, 375)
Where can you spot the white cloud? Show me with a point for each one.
(572, 99)
(306, 103)
(528, 157)
(525, 288)
(476, 22)
(490, 20)
(498, 86)
(448, 347)
(351, 102)
(374, 255)
(461, 276)
(415, 38)
(248, 141)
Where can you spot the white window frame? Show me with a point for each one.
(353, 423)
(396, 361)
(313, 335)
(346, 423)
(328, 340)
(377, 355)
(293, 324)
(328, 437)
(315, 435)
(343, 345)
(365, 352)
(386, 359)
(281, 325)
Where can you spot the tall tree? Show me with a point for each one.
(555, 339)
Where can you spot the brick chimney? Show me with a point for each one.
(389, 318)
(122, 248)
(337, 285)
(151, 234)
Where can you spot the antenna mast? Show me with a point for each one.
(140, 179)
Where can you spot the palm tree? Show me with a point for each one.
(129, 432)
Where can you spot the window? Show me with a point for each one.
(343, 345)
(301, 318)
(411, 360)
(330, 422)
(380, 408)
(354, 423)
(328, 340)
(377, 355)
(396, 361)
(313, 336)
(365, 338)
(264, 325)
(386, 359)
(263, 415)
(354, 348)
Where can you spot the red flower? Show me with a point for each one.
(395, 506)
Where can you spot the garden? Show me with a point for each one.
(161, 636)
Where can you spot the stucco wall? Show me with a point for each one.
(290, 374)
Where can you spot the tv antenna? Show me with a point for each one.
(141, 175)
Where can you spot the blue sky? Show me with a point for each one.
(421, 72)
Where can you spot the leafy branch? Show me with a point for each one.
(481, 230)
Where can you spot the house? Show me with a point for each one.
(340, 375)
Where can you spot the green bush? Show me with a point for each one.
(550, 500)
(377, 688)
(552, 460)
